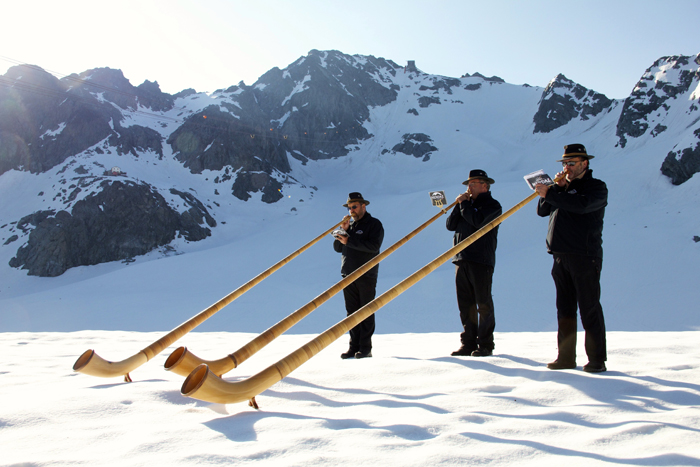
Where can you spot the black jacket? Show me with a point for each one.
(365, 240)
(469, 216)
(575, 216)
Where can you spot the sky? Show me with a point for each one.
(212, 44)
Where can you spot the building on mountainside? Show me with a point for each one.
(115, 171)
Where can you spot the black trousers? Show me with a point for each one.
(357, 295)
(475, 303)
(577, 280)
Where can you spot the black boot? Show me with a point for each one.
(482, 352)
(464, 351)
(594, 367)
(560, 364)
(566, 343)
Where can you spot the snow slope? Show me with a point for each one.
(411, 404)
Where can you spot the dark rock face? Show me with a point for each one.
(121, 221)
(493, 79)
(425, 101)
(43, 120)
(135, 139)
(194, 217)
(311, 110)
(666, 79)
(249, 182)
(563, 101)
(658, 129)
(213, 139)
(184, 93)
(221, 141)
(416, 145)
(445, 84)
(323, 99)
(150, 96)
(669, 82)
(681, 165)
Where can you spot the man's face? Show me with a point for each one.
(575, 167)
(476, 187)
(357, 210)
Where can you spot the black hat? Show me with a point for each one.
(575, 150)
(355, 198)
(478, 174)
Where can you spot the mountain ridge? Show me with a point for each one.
(238, 143)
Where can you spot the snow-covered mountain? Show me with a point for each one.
(218, 187)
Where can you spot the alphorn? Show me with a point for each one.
(182, 361)
(206, 386)
(92, 364)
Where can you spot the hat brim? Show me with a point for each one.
(566, 157)
(488, 180)
(362, 201)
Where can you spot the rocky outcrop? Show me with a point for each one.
(214, 138)
(321, 101)
(416, 145)
(425, 101)
(682, 164)
(184, 93)
(667, 80)
(151, 97)
(135, 140)
(493, 79)
(121, 221)
(442, 84)
(671, 86)
(193, 218)
(251, 182)
(563, 101)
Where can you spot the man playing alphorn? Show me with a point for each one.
(359, 243)
(576, 206)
